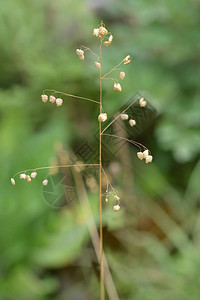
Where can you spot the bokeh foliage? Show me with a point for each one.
(152, 245)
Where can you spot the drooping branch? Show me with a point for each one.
(70, 95)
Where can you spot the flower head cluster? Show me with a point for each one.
(52, 99)
(145, 155)
(100, 32)
(80, 53)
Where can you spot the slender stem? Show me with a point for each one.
(102, 292)
(120, 114)
(70, 95)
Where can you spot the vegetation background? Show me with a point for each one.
(153, 243)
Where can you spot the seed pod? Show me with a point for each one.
(52, 99)
(132, 122)
(124, 117)
(122, 75)
(44, 98)
(102, 117)
(116, 207)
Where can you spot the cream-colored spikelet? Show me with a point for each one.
(52, 99)
(102, 117)
(45, 182)
(28, 178)
(127, 60)
(132, 122)
(12, 181)
(22, 176)
(44, 98)
(80, 53)
(96, 32)
(59, 101)
(116, 198)
(140, 155)
(116, 207)
(33, 174)
(124, 117)
(122, 75)
(142, 102)
(107, 43)
(97, 65)
(117, 87)
(148, 159)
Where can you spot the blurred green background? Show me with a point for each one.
(152, 244)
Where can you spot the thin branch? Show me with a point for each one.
(59, 166)
(70, 95)
(114, 190)
(113, 69)
(120, 114)
(86, 48)
(130, 141)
